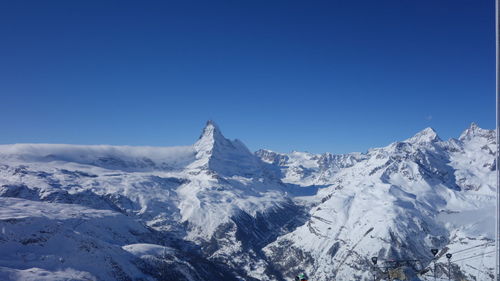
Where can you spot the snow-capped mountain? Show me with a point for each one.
(398, 202)
(216, 211)
(200, 200)
(225, 157)
(306, 169)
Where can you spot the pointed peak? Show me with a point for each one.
(211, 123)
(475, 131)
(211, 131)
(425, 136)
(428, 131)
(217, 154)
(209, 138)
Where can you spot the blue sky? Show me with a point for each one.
(316, 76)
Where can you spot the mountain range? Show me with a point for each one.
(216, 211)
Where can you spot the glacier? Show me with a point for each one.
(216, 211)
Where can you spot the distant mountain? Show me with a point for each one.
(216, 211)
(395, 202)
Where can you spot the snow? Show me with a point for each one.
(475, 222)
(226, 157)
(39, 274)
(57, 241)
(398, 201)
(129, 157)
(18, 209)
(144, 249)
(427, 135)
(106, 212)
(307, 169)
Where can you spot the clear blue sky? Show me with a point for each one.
(338, 75)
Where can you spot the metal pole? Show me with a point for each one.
(449, 270)
(434, 269)
(448, 256)
(497, 54)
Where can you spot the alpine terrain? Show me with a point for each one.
(216, 211)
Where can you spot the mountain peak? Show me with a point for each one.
(427, 135)
(210, 137)
(211, 130)
(475, 131)
(211, 123)
(216, 153)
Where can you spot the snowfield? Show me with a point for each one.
(216, 211)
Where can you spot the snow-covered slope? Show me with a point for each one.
(216, 211)
(55, 241)
(306, 169)
(204, 195)
(399, 202)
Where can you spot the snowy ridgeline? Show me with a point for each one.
(216, 211)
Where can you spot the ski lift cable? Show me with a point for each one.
(474, 256)
(473, 247)
(470, 252)
(470, 257)
(465, 251)
(478, 257)
(476, 246)
(482, 262)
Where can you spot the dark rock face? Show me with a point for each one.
(288, 259)
(252, 233)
